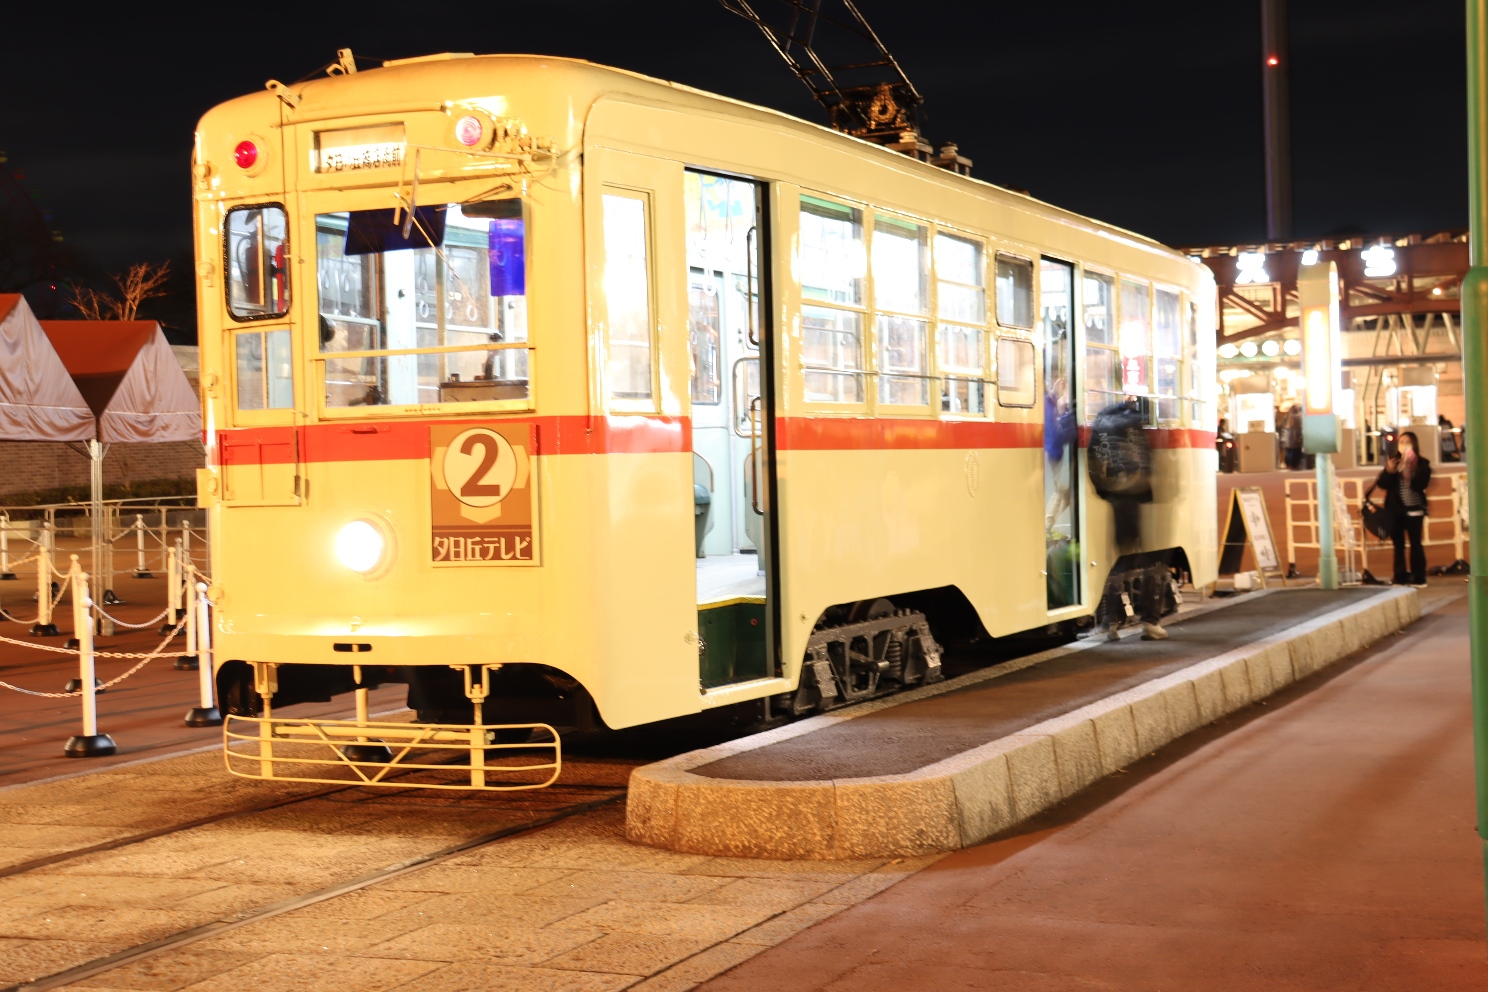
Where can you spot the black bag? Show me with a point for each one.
(1376, 519)
(1120, 459)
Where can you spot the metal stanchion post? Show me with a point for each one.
(172, 594)
(43, 627)
(192, 659)
(5, 572)
(186, 542)
(205, 715)
(1474, 294)
(90, 743)
(141, 570)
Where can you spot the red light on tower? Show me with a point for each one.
(1272, 60)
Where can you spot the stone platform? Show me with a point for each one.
(950, 765)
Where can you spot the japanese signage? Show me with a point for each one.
(483, 509)
(357, 148)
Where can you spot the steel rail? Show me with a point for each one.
(118, 842)
(108, 962)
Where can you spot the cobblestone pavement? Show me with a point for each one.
(570, 906)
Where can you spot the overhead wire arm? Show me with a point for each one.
(832, 49)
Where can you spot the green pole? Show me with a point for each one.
(1327, 554)
(1475, 379)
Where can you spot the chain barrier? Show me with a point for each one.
(145, 658)
(132, 626)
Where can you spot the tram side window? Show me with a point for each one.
(627, 288)
(265, 370)
(1014, 291)
(901, 290)
(1015, 372)
(423, 309)
(1167, 353)
(833, 266)
(1136, 338)
(961, 305)
(1102, 360)
(1193, 377)
(257, 247)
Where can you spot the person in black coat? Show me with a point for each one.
(1405, 478)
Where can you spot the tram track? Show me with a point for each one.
(190, 936)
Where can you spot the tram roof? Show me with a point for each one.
(453, 78)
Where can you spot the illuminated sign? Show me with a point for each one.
(1379, 262)
(1252, 268)
(356, 149)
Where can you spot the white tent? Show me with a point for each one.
(38, 399)
(99, 382)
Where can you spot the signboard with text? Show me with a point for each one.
(482, 494)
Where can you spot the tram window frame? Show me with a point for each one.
(496, 369)
(1128, 331)
(1167, 404)
(1018, 395)
(840, 326)
(1109, 348)
(901, 321)
(963, 384)
(267, 400)
(1020, 312)
(1194, 396)
(630, 400)
(230, 278)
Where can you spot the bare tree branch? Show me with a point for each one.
(142, 282)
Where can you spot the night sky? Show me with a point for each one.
(1146, 114)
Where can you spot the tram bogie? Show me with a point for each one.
(577, 399)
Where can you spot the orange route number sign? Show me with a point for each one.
(482, 499)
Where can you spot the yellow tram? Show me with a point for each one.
(595, 400)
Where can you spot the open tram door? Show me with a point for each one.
(732, 435)
(1062, 469)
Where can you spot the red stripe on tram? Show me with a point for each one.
(407, 441)
(849, 433)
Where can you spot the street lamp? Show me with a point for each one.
(1322, 365)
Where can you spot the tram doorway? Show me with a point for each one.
(1061, 444)
(731, 437)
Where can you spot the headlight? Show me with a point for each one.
(359, 546)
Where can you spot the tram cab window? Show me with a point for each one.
(1102, 358)
(961, 306)
(1015, 372)
(264, 370)
(257, 247)
(423, 308)
(1014, 291)
(833, 266)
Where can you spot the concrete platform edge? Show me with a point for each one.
(967, 798)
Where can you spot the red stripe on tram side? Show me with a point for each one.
(850, 433)
(406, 441)
(1183, 437)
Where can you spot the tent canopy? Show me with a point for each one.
(126, 371)
(39, 401)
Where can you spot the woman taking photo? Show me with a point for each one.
(1404, 480)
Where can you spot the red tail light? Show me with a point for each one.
(245, 154)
